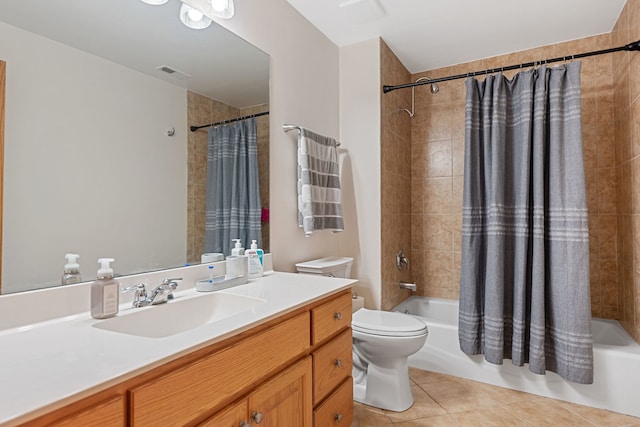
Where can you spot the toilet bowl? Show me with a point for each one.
(382, 342)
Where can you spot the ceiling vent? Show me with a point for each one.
(176, 74)
(361, 11)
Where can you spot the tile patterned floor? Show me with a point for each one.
(446, 401)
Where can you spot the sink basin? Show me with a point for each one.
(178, 315)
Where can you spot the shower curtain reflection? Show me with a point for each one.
(233, 209)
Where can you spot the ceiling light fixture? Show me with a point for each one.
(198, 14)
(213, 8)
(193, 18)
(222, 8)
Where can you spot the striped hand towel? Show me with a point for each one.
(319, 200)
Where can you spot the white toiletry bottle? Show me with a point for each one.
(71, 270)
(256, 268)
(238, 249)
(105, 294)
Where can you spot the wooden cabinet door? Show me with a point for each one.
(233, 416)
(285, 400)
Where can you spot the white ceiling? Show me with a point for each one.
(140, 36)
(429, 34)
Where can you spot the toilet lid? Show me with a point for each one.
(387, 323)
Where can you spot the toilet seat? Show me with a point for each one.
(385, 323)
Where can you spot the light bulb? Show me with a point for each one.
(193, 18)
(219, 5)
(195, 15)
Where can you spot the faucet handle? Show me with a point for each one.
(139, 288)
(141, 291)
(172, 282)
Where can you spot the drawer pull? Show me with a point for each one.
(337, 315)
(338, 418)
(338, 363)
(256, 417)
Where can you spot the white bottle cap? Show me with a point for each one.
(238, 243)
(105, 269)
(72, 262)
(254, 244)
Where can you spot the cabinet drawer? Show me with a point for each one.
(183, 396)
(331, 365)
(330, 317)
(108, 413)
(337, 410)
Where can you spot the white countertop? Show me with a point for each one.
(48, 364)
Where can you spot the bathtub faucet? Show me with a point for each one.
(411, 286)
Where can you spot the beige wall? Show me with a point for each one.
(626, 73)
(304, 90)
(96, 133)
(360, 164)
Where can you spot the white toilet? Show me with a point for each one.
(382, 342)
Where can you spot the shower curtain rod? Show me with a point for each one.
(224, 122)
(635, 46)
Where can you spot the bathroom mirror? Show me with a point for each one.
(98, 157)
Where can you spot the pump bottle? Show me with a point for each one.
(238, 249)
(104, 292)
(256, 268)
(71, 270)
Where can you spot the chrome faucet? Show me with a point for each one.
(410, 286)
(162, 293)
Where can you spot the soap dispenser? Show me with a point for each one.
(256, 262)
(71, 270)
(104, 292)
(238, 249)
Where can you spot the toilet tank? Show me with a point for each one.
(332, 266)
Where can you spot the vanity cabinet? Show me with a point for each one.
(332, 362)
(285, 400)
(294, 370)
(190, 392)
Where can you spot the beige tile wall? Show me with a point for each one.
(395, 179)
(437, 159)
(626, 74)
(202, 110)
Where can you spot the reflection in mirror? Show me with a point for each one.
(98, 158)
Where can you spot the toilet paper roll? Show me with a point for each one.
(357, 303)
(238, 265)
(211, 257)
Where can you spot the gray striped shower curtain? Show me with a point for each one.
(233, 206)
(524, 288)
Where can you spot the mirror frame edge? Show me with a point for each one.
(2, 92)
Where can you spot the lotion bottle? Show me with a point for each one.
(105, 294)
(238, 249)
(71, 270)
(255, 255)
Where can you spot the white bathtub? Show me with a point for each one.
(616, 361)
